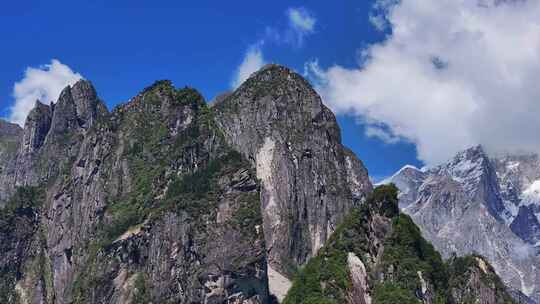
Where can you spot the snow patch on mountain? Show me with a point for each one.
(474, 203)
(399, 172)
(531, 195)
(510, 212)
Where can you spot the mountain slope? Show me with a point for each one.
(379, 256)
(168, 199)
(309, 179)
(129, 194)
(470, 205)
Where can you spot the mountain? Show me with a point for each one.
(480, 204)
(379, 256)
(9, 144)
(168, 199)
(309, 179)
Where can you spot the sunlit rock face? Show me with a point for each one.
(475, 203)
(309, 180)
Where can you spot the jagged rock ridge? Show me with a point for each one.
(166, 199)
(379, 256)
(480, 204)
(160, 199)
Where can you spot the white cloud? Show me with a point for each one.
(302, 23)
(253, 61)
(44, 83)
(378, 21)
(382, 134)
(450, 74)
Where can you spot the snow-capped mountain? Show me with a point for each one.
(477, 204)
(519, 181)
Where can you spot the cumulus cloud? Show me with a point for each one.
(378, 21)
(449, 75)
(301, 23)
(253, 61)
(44, 83)
(382, 134)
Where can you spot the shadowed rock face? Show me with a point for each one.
(309, 180)
(164, 199)
(477, 204)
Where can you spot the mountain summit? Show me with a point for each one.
(480, 204)
(165, 199)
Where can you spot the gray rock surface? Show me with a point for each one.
(378, 255)
(152, 201)
(10, 136)
(478, 204)
(309, 179)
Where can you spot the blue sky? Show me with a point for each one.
(123, 46)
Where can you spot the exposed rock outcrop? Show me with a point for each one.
(168, 200)
(477, 204)
(309, 179)
(146, 203)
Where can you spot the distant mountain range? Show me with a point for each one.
(475, 203)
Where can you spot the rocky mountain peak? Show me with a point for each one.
(285, 86)
(276, 97)
(475, 173)
(87, 104)
(36, 127)
(309, 179)
(277, 74)
(78, 107)
(408, 179)
(378, 255)
(164, 98)
(166, 199)
(477, 203)
(467, 167)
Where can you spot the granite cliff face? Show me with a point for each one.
(166, 199)
(478, 204)
(309, 180)
(10, 135)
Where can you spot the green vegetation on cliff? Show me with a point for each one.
(326, 277)
(405, 268)
(150, 151)
(177, 166)
(18, 226)
(461, 269)
(411, 259)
